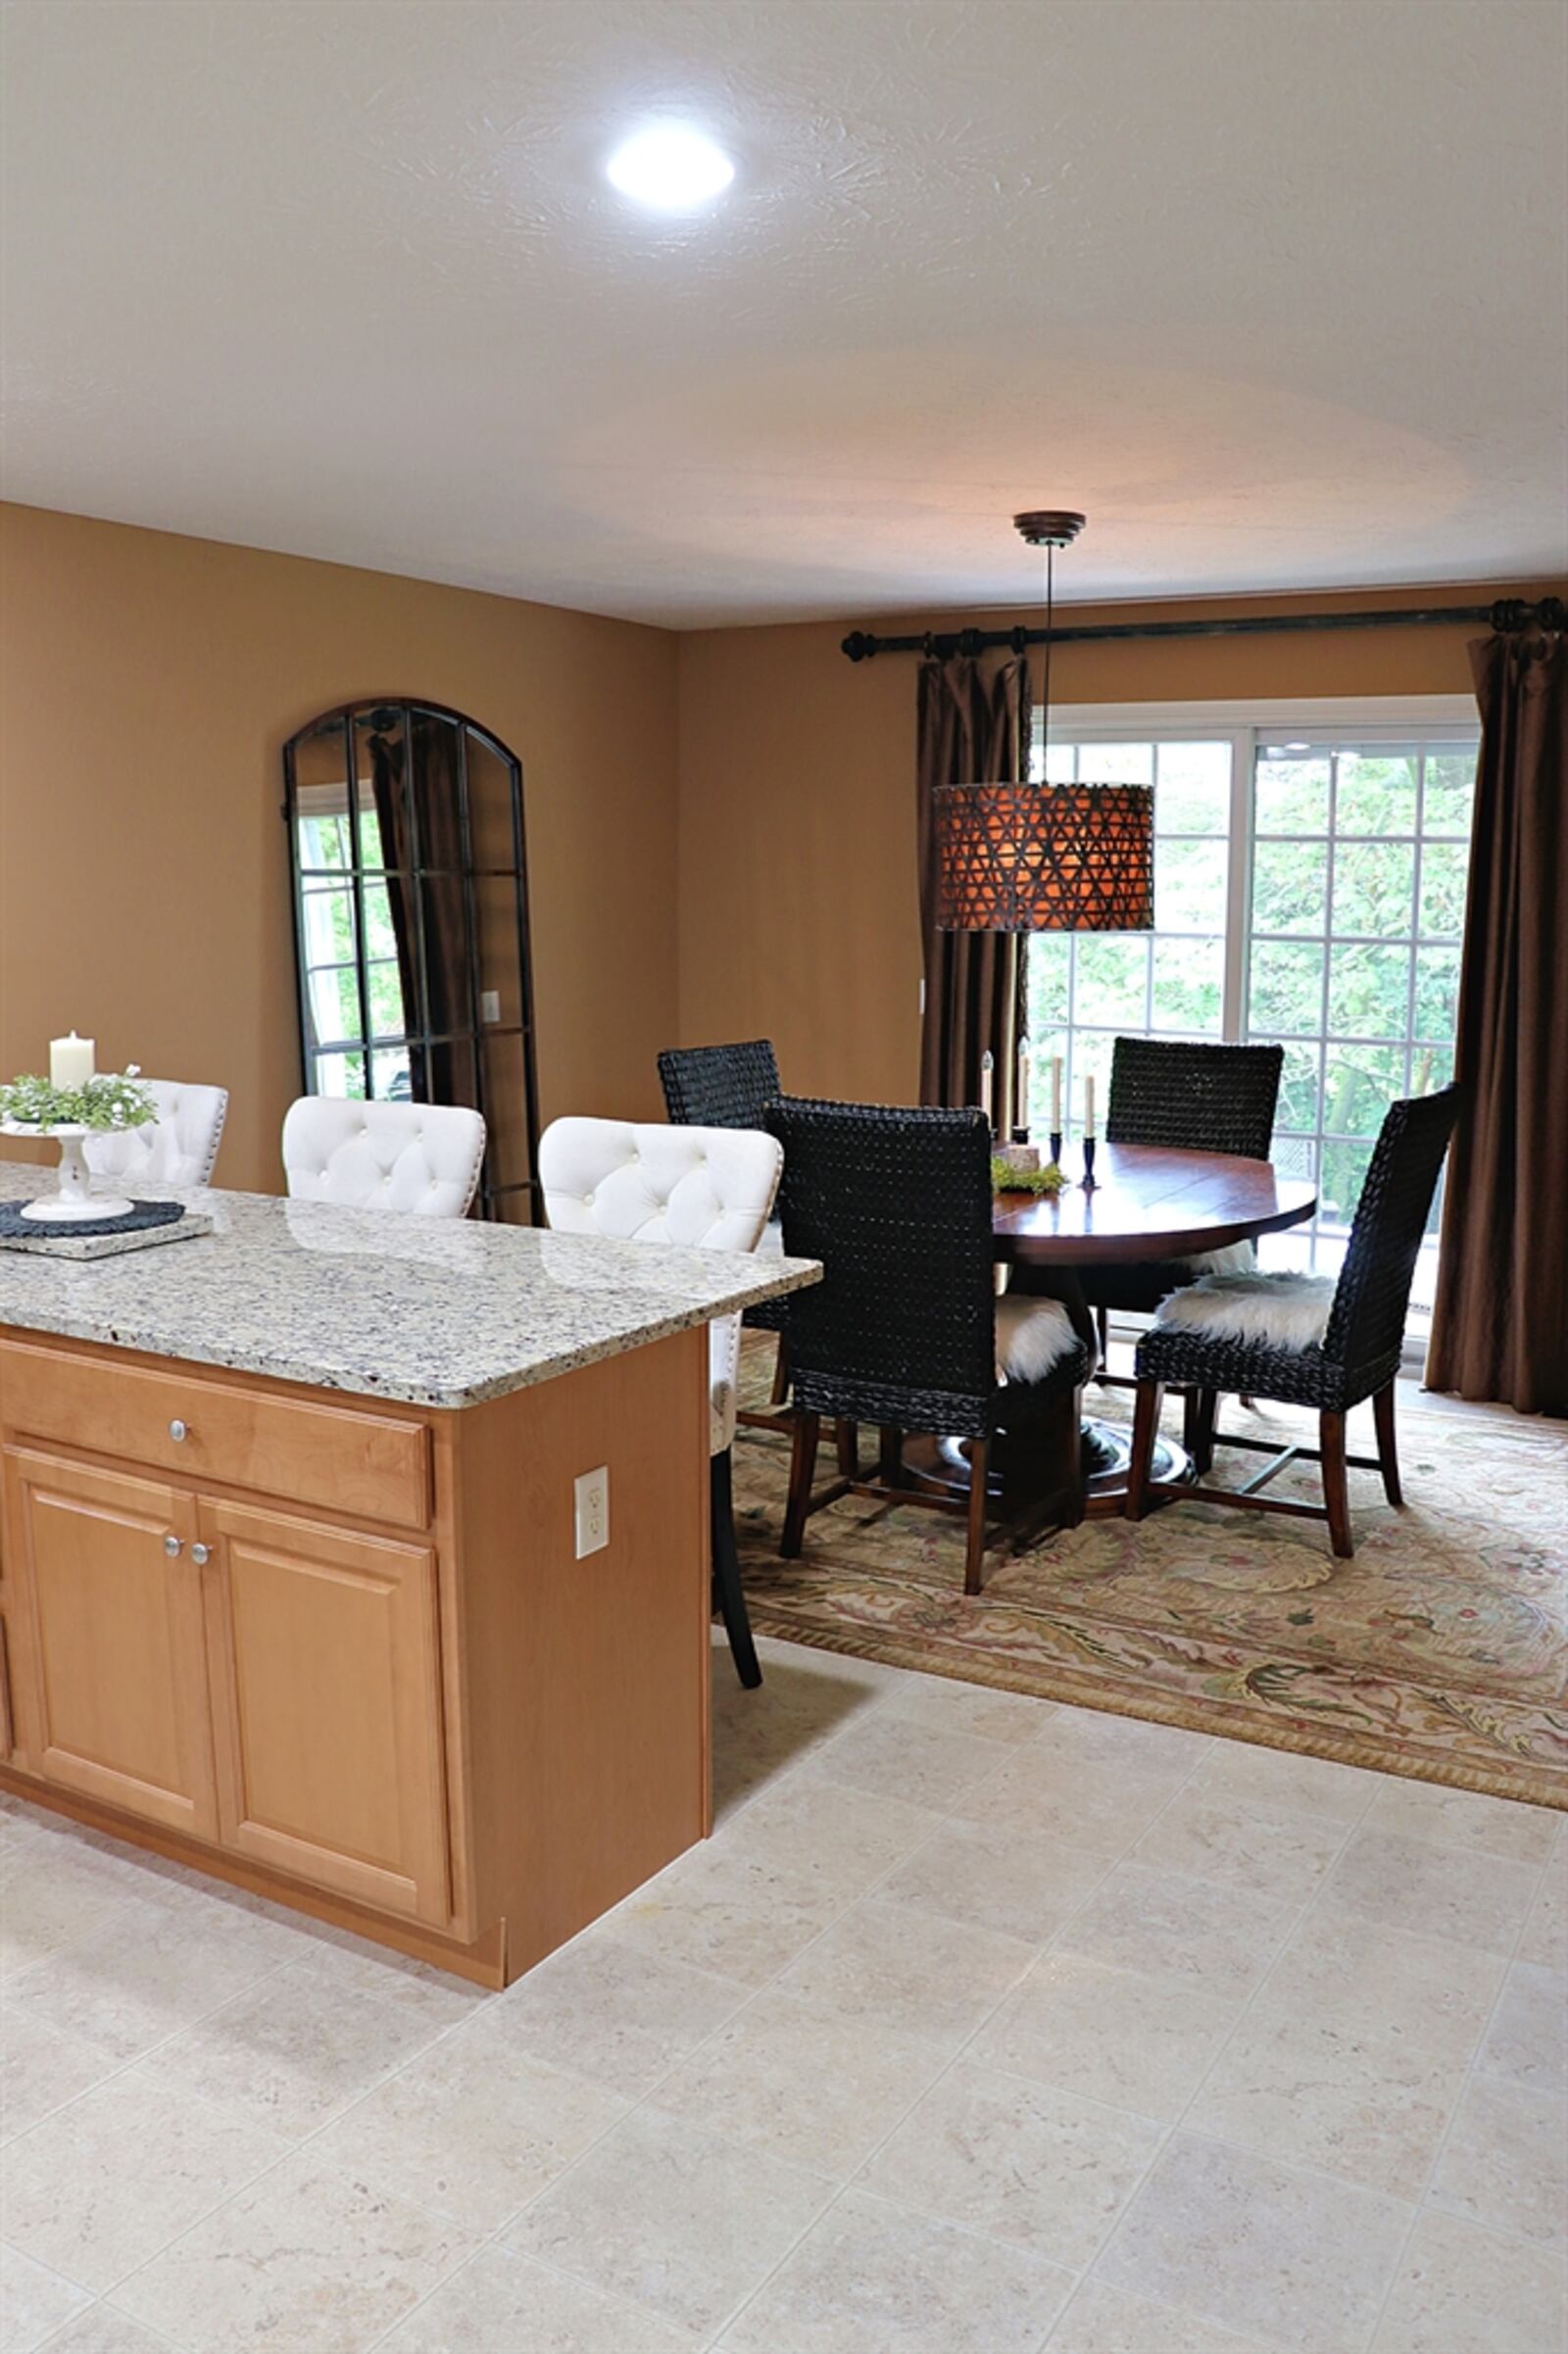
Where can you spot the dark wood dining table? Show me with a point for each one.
(1148, 1202)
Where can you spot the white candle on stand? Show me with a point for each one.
(71, 1062)
(987, 1066)
(1088, 1105)
(1055, 1095)
(1020, 1110)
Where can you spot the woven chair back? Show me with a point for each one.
(897, 1205)
(1194, 1098)
(720, 1086)
(1366, 1324)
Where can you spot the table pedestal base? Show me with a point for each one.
(1105, 1450)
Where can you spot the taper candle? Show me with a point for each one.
(988, 1064)
(70, 1060)
(1020, 1110)
(1089, 1104)
(1056, 1094)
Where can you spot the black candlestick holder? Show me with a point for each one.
(1055, 1147)
(1088, 1164)
(1020, 1131)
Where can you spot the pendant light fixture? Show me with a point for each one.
(1025, 858)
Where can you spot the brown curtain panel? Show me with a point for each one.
(1499, 1325)
(973, 731)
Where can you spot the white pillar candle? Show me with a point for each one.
(1055, 1095)
(1020, 1110)
(71, 1062)
(1088, 1105)
(987, 1067)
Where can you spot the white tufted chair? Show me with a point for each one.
(178, 1147)
(420, 1159)
(703, 1188)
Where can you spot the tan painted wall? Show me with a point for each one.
(797, 830)
(147, 684)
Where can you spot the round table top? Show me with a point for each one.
(1148, 1202)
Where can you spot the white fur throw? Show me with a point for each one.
(1232, 1258)
(1274, 1311)
(1032, 1337)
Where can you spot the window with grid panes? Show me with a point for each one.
(1084, 987)
(1361, 853)
(1309, 887)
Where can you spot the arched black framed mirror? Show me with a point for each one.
(411, 923)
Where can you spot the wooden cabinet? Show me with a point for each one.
(342, 1653)
(111, 1603)
(326, 1696)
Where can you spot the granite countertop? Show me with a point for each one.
(436, 1311)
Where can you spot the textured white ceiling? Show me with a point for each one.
(1274, 290)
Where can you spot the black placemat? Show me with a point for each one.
(83, 1230)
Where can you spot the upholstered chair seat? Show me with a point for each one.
(423, 1160)
(692, 1188)
(177, 1149)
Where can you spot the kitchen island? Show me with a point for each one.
(290, 1586)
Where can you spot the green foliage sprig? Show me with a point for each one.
(107, 1100)
(1005, 1179)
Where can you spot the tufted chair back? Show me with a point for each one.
(420, 1159)
(178, 1147)
(701, 1188)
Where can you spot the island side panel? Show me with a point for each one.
(585, 1681)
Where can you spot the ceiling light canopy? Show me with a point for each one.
(670, 168)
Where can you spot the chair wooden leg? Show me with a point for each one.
(1102, 1330)
(1336, 1491)
(802, 1471)
(889, 1455)
(976, 1550)
(1146, 1422)
(781, 1372)
(849, 1449)
(1197, 1427)
(727, 1587)
(1388, 1451)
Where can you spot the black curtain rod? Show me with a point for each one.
(1507, 615)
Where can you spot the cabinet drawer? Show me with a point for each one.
(363, 1464)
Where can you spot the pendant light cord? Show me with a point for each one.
(1044, 684)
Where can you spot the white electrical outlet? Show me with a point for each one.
(489, 1005)
(591, 1502)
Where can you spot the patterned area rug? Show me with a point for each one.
(1441, 1652)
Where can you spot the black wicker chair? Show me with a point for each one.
(1359, 1354)
(1196, 1099)
(720, 1086)
(901, 1330)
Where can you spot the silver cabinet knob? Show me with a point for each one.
(172, 1545)
(201, 1555)
(177, 1429)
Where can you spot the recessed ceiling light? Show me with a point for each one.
(670, 169)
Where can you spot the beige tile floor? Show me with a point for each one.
(981, 2027)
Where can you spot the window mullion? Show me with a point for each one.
(1239, 884)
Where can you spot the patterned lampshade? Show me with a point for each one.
(1045, 857)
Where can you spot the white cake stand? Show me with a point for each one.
(76, 1199)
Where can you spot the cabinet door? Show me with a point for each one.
(326, 1698)
(113, 1691)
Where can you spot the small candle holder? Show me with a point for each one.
(1088, 1164)
(1055, 1147)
